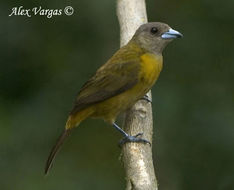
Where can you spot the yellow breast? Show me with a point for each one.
(151, 66)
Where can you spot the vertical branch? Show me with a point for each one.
(136, 157)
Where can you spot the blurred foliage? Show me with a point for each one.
(45, 61)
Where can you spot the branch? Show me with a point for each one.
(136, 157)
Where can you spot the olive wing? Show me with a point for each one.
(109, 81)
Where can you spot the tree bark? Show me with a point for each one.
(136, 157)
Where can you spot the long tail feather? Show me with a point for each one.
(55, 149)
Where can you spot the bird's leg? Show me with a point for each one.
(129, 138)
(146, 98)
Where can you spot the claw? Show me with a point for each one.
(146, 98)
(134, 138)
(137, 135)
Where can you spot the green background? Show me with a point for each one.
(44, 62)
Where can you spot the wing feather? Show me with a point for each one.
(109, 81)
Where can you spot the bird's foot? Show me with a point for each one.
(129, 138)
(135, 138)
(146, 98)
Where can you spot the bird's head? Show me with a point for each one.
(154, 36)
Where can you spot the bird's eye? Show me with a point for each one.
(154, 30)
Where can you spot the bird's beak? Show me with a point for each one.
(170, 34)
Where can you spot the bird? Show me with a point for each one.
(118, 84)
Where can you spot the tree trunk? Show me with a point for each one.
(136, 157)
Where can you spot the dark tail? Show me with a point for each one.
(55, 149)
